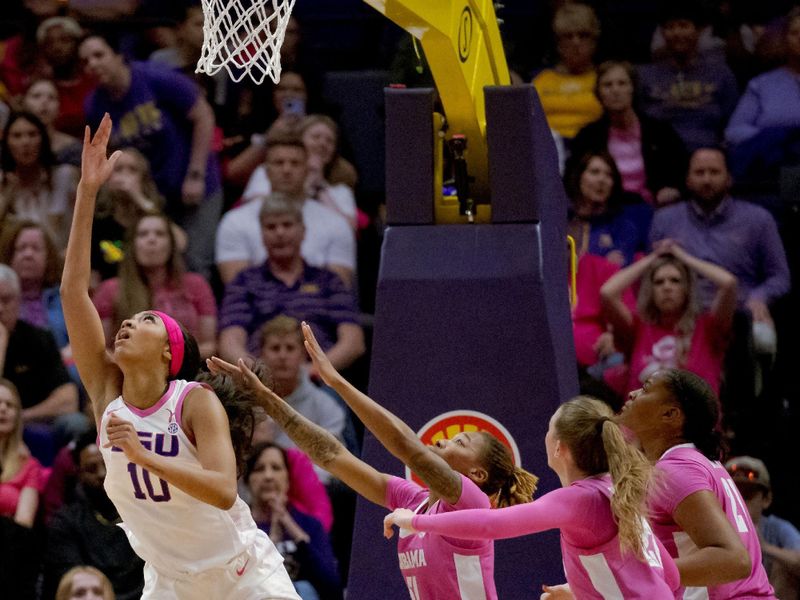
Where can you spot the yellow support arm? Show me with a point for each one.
(462, 44)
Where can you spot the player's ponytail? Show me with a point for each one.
(241, 408)
(631, 473)
(506, 484)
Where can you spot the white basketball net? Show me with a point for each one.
(244, 37)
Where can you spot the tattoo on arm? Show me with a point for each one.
(437, 474)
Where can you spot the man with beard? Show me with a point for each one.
(85, 532)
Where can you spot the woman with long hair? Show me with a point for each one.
(697, 512)
(651, 157)
(84, 583)
(606, 543)
(152, 273)
(21, 475)
(605, 220)
(472, 470)
(668, 330)
(42, 99)
(300, 538)
(32, 187)
(169, 445)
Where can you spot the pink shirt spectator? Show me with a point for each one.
(625, 145)
(588, 322)
(685, 472)
(32, 475)
(306, 492)
(656, 348)
(594, 564)
(186, 303)
(436, 567)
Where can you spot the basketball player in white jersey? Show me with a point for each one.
(170, 462)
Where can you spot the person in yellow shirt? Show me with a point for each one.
(567, 90)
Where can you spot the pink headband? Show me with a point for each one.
(175, 337)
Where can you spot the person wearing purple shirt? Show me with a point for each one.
(736, 235)
(692, 92)
(162, 114)
(285, 284)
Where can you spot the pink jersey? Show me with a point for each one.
(436, 567)
(593, 562)
(687, 471)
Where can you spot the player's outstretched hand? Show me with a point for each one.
(96, 167)
(320, 361)
(122, 434)
(244, 377)
(401, 518)
(556, 592)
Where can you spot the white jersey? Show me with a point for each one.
(167, 527)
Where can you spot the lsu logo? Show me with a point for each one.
(448, 425)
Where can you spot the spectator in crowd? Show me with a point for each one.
(86, 531)
(694, 93)
(668, 330)
(84, 583)
(605, 220)
(330, 242)
(567, 90)
(152, 276)
(28, 248)
(780, 540)
(286, 284)
(300, 538)
(32, 188)
(30, 359)
(649, 154)
(739, 236)
(22, 478)
(764, 130)
(282, 350)
(42, 99)
(57, 40)
(128, 194)
(163, 114)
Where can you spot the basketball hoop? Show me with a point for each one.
(244, 37)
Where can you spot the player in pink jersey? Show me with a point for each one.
(471, 470)
(698, 513)
(167, 442)
(607, 546)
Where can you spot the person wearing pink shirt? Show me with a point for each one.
(472, 470)
(697, 511)
(607, 546)
(668, 330)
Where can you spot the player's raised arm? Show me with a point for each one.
(83, 322)
(397, 437)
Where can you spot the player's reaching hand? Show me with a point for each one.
(96, 167)
(319, 359)
(122, 434)
(401, 518)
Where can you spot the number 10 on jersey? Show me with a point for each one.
(137, 478)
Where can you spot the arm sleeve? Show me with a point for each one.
(742, 125)
(680, 480)
(775, 267)
(559, 509)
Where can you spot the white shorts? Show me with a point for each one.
(247, 577)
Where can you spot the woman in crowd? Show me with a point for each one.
(152, 274)
(299, 537)
(566, 91)
(472, 470)
(600, 510)
(605, 220)
(84, 583)
(21, 477)
(129, 193)
(28, 248)
(32, 188)
(42, 99)
(667, 330)
(650, 156)
(697, 511)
